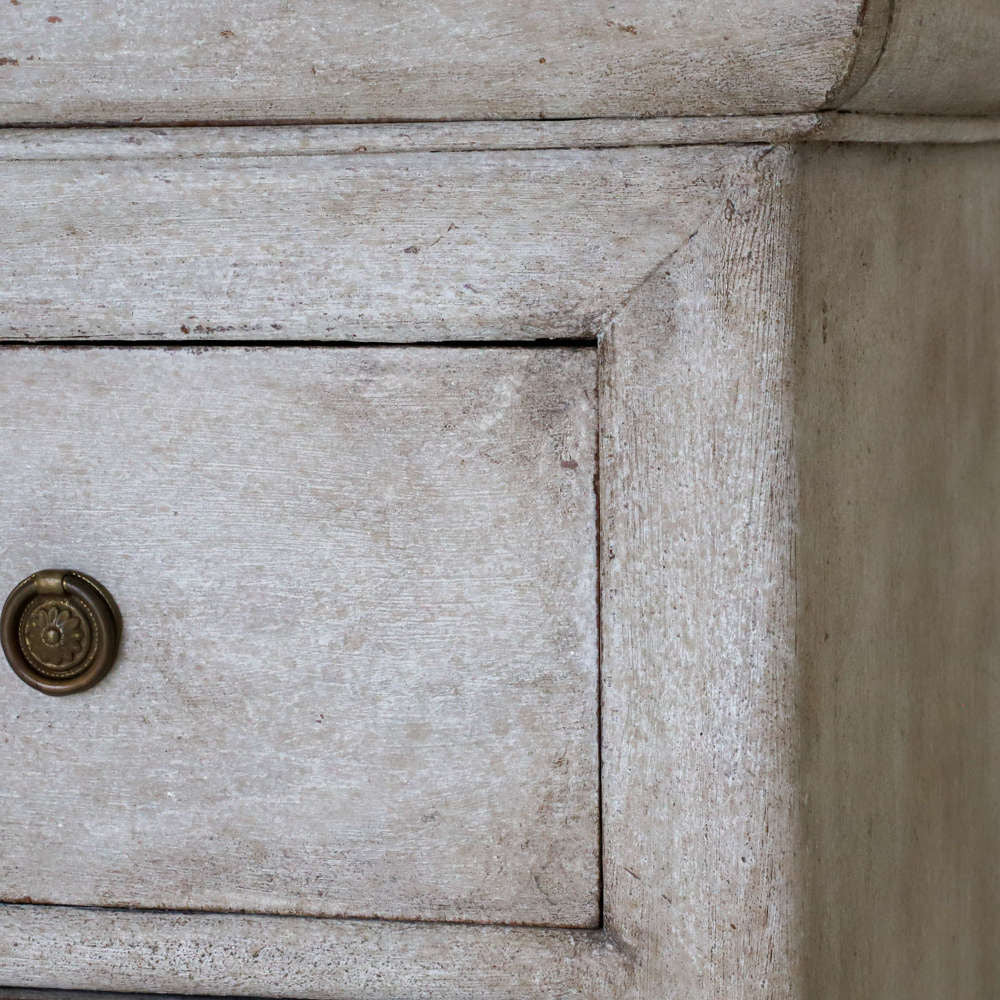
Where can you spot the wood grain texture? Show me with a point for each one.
(935, 57)
(146, 143)
(299, 957)
(358, 674)
(193, 142)
(799, 482)
(41, 993)
(507, 245)
(699, 719)
(68, 61)
(898, 569)
(381, 957)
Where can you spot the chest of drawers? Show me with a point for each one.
(555, 558)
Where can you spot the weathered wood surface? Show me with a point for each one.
(43, 993)
(898, 572)
(68, 61)
(699, 717)
(905, 129)
(931, 57)
(79, 61)
(358, 674)
(232, 955)
(417, 137)
(415, 247)
(799, 480)
(193, 142)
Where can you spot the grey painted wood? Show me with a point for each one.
(932, 57)
(192, 142)
(30, 993)
(301, 957)
(134, 951)
(358, 674)
(900, 129)
(800, 481)
(699, 721)
(898, 572)
(799, 477)
(504, 245)
(79, 61)
(417, 137)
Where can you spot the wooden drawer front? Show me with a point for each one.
(358, 674)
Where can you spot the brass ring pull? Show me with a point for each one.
(60, 631)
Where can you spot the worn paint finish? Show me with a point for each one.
(800, 481)
(416, 137)
(68, 62)
(934, 57)
(798, 405)
(472, 246)
(76, 61)
(358, 672)
(720, 185)
(699, 715)
(234, 955)
(898, 570)
(193, 142)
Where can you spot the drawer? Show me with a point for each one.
(332, 445)
(358, 673)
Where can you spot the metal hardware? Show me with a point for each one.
(60, 631)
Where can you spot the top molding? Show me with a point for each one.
(935, 57)
(89, 62)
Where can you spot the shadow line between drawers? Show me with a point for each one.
(264, 915)
(164, 343)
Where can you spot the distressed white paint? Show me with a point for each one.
(192, 142)
(77, 61)
(358, 673)
(799, 594)
(799, 591)
(417, 137)
(699, 717)
(233, 955)
(472, 246)
(69, 61)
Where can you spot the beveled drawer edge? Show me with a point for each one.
(113, 953)
(31, 993)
